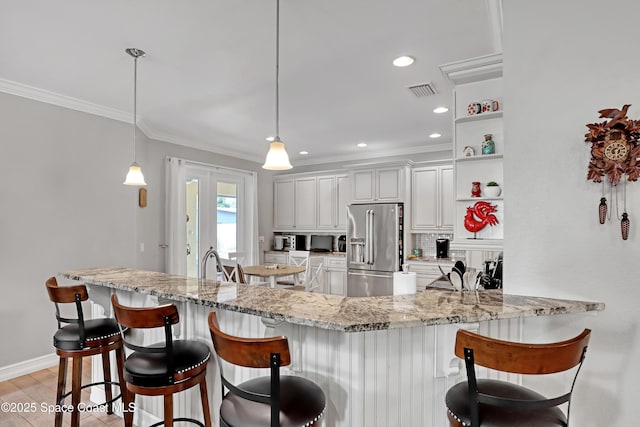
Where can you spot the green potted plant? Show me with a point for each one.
(491, 189)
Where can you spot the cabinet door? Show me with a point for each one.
(305, 204)
(336, 282)
(424, 198)
(326, 203)
(342, 188)
(446, 198)
(280, 258)
(363, 186)
(389, 184)
(283, 205)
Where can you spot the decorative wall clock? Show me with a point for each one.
(615, 154)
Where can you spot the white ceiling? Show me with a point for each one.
(208, 79)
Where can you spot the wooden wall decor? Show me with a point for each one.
(615, 154)
(142, 197)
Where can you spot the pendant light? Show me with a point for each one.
(134, 176)
(277, 157)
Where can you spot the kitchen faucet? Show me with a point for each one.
(211, 253)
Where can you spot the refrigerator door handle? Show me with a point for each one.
(370, 237)
(368, 274)
(366, 236)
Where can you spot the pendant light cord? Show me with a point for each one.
(278, 70)
(135, 103)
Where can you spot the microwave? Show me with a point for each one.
(295, 242)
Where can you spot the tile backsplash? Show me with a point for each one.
(427, 242)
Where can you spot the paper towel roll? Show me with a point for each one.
(404, 283)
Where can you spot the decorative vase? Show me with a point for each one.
(475, 189)
(488, 146)
(491, 191)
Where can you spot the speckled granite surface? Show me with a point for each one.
(348, 314)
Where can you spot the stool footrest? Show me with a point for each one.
(186, 420)
(97, 405)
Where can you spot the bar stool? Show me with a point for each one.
(488, 402)
(81, 338)
(273, 400)
(164, 368)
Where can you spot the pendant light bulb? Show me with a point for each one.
(277, 157)
(135, 176)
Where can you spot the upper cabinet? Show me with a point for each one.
(310, 203)
(432, 198)
(478, 151)
(384, 184)
(332, 201)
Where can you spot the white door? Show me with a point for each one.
(216, 209)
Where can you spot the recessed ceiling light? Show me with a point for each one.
(435, 135)
(440, 110)
(362, 144)
(270, 138)
(403, 61)
(304, 153)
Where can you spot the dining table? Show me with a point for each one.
(273, 271)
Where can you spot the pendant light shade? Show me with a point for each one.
(277, 157)
(135, 176)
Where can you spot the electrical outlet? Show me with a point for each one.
(260, 239)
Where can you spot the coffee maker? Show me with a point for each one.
(442, 248)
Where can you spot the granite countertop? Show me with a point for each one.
(348, 314)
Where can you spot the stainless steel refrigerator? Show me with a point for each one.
(374, 247)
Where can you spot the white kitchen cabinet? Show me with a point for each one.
(283, 204)
(311, 203)
(432, 198)
(344, 198)
(305, 204)
(427, 272)
(276, 258)
(378, 184)
(336, 275)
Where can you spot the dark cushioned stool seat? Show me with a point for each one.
(150, 369)
(299, 397)
(457, 401)
(68, 337)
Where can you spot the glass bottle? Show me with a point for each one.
(488, 146)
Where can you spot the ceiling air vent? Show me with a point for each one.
(424, 89)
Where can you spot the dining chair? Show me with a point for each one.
(490, 402)
(298, 259)
(233, 271)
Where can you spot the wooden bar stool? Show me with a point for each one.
(81, 338)
(273, 400)
(489, 402)
(164, 368)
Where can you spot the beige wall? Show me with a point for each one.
(564, 61)
(64, 207)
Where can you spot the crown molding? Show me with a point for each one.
(42, 95)
(473, 70)
(30, 92)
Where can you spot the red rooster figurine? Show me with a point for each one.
(483, 211)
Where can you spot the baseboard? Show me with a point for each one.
(28, 366)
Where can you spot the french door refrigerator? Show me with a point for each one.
(374, 247)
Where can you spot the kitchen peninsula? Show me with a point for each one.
(380, 360)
